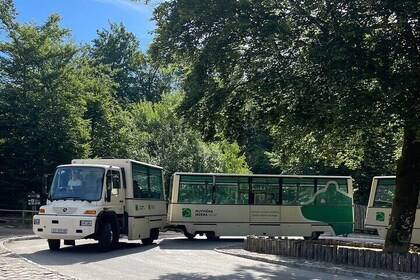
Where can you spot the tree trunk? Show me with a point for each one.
(406, 195)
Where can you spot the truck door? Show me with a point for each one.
(115, 193)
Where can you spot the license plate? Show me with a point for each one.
(59, 230)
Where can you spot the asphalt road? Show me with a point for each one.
(173, 257)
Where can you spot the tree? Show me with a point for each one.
(163, 138)
(41, 102)
(107, 119)
(323, 73)
(135, 79)
(363, 155)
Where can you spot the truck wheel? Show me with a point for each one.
(115, 237)
(54, 244)
(154, 233)
(115, 240)
(147, 241)
(105, 237)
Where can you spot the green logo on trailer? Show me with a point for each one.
(332, 206)
(186, 212)
(380, 216)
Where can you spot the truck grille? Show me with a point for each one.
(64, 210)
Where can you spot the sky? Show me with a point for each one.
(85, 17)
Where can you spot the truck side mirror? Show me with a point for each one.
(108, 188)
(46, 183)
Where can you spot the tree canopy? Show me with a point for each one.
(163, 139)
(324, 77)
(308, 86)
(60, 100)
(41, 102)
(134, 76)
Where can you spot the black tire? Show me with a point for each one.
(314, 236)
(188, 235)
(54, 244)
(105, 237)
(154, 233)
(115, 238)
(147, 241)
(115, 241)
(212, 236)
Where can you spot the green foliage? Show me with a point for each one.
(7, 14)
(103, 112)
(161, 137)
(60, 101)
(135, 79)
(41, 102)
(325, 79)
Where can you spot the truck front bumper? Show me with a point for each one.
(63, 227)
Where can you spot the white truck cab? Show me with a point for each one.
(103, 199)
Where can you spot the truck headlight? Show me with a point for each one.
(84, 223)
(36, 221)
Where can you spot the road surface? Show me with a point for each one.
(173, 257)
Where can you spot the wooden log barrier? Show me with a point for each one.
(332, 251)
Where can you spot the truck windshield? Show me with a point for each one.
(77, 183)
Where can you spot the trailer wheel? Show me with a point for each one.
(105, 237)
(54, 244)
(212, 236)
(314, 236)
(188, 235)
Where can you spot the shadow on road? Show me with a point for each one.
(85, 253)
(182, 243)
(256, 271)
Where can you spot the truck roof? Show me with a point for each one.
(109, 161)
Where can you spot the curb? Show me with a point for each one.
(6, 253)
(11, 239)
(238, 251)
